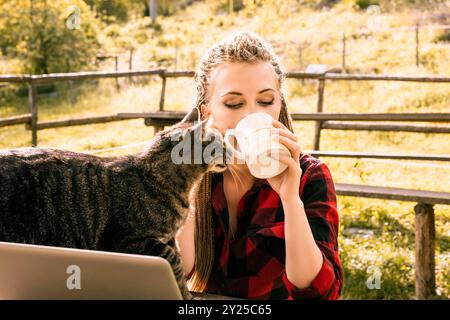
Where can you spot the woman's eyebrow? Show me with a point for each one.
(240, 94)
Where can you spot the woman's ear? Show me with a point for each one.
(205, 111)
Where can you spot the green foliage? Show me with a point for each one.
(112, 31)
(157, 27)
(116, 9)
(141, 37)
(364, 4)
(224, 5)
(380, 237)
(443, 37)
(431, 58)
(397, 272)
(39, 32)
(167, 8)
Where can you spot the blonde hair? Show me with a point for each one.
(242, 47)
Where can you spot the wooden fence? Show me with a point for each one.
(424, 213)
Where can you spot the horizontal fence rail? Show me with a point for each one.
(55, 77)
(10, 121)
(365, 77)
(384, 127)
(347, 154)
(26, 78)
(400, 194)
(80, 121)
(414, 117)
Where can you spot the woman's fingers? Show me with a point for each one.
(278, 124)
(292, 146)
(285, 133)
(289, 161)
(281, 130)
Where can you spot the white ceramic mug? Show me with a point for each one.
(255, 141)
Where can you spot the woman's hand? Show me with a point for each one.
(287, 183)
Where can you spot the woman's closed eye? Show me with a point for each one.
(238, 105)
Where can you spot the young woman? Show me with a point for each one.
(256, 238)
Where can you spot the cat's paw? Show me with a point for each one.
(187, 295)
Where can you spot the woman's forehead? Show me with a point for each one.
(239, 76)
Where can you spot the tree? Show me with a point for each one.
(165, 7)
(153, 7)
(49, 36)
(119, 9)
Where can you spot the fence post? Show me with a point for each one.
(344, 51)
(318, 126)
(130, 65)
(33, 110)
(152, 8)
(300, 56)
(424, 249)
(162, 97)
(417, 45)
(130, 61)
(230, 6)
(176, 56)
(72, 95)
(116, 63)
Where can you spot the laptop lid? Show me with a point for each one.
(44, 272)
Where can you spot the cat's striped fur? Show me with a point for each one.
(131, 204)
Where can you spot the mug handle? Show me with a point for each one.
(240, 155)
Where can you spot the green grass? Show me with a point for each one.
(388, 247)
(386, 228)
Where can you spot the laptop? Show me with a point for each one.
(42, 272)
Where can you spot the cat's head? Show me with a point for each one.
(197, 145)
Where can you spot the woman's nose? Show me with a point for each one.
(253, 107)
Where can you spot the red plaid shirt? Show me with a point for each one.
(252, 266)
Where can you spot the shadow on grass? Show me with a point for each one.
(386, 223)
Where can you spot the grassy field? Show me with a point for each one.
(372, 232)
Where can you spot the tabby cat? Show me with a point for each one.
(129, 204)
